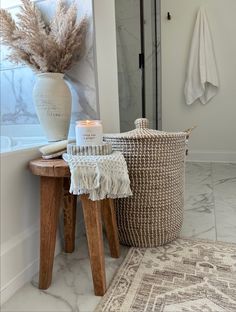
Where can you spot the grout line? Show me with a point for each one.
(213, 193)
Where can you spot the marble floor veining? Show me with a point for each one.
(72, 287)
(210, 212)
(210, 201)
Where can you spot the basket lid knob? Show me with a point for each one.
(141, 123)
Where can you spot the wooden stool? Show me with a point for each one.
(55, 177)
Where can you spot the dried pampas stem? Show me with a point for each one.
(44, 48)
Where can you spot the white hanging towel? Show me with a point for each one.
(202, 79)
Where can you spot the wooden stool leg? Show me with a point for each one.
(50, 194)
(93, 225)
(70, 203)
(109, 219)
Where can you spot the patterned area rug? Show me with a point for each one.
(185, 275)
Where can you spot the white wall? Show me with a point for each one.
(106, 62)
(214, 138)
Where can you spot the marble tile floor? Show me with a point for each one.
(210, 213)
(210, 201)
(71, 289)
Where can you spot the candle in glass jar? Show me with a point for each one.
(88, 132)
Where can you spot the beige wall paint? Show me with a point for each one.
(215, 136)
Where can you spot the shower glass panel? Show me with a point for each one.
(129, 74)
(138, 43)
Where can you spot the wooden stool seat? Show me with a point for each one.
(55, 178)
(50, 168)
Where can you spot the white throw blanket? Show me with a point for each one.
(99, 176)
(202, 78)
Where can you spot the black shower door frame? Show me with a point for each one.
(142, 57)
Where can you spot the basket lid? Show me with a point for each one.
(142, 131)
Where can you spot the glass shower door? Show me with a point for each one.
(129, 74)
(138, 51)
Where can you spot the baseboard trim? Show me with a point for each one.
(8, 290)
(26, 243)
(27, 269)
(19, 239)
(212, 156)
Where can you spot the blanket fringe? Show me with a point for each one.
(105, 179)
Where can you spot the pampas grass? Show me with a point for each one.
(44, 48)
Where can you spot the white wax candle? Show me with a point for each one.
(88, 132)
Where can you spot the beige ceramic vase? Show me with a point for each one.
(52, 99)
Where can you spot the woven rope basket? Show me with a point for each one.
(153, 216)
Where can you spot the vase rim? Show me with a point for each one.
(50, 74)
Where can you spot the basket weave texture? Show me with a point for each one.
(153, 216)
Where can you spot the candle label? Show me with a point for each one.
(89, 133)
